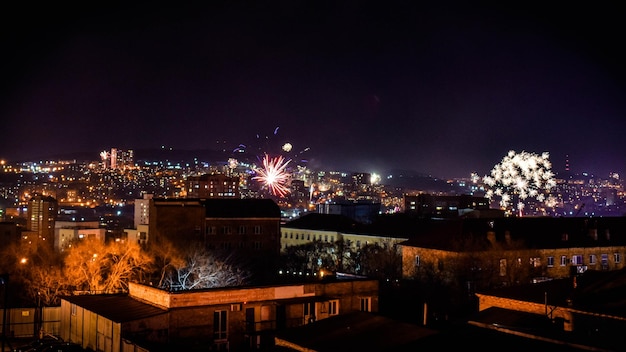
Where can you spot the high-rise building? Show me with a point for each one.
(41, 215)
(121, 159)
(212, 186)
(142, 210)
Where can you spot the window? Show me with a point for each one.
(550, 262)
(257, 245)
(366, 304)
(308, 308)
(617, 258)
(297, 236)
(592, 259)
(604, 260)
(563, 260)
(333, 307)
(308, 237)
(577, 259)
(417, 261)
(535, 262)
(242, 230)
(226, 230)
(502, 267)
(220, 327)
(332, 238)
(258, 230)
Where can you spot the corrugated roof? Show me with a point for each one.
(119, 308)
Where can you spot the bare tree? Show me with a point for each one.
(96, 267)
(166, 257)
(45, 284)
(201, 269)
(123, 262)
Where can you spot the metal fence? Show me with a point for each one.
(29, 322)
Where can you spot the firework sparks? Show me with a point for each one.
(274, 175)
(519, 177)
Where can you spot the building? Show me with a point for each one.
(212, 186)
(9, 233)
(511, 251)
(361, 331)
(245, 228)
(436, 206)
(138, 235)
(584, 310)
(142, 210)
(122, 159)
(67, 232)
(233, 319)
(363, 211)
(41, 215)
(332, 228)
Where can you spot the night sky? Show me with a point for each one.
(442, 88)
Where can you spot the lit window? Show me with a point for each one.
(535, 262)
(417, 261)
(577, 259)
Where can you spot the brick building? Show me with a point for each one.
(234, 319)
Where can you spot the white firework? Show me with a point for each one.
(520, 177)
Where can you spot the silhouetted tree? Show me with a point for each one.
(201, 269)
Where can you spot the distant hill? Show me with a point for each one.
(410, 179)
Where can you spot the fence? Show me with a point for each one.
(27, 322)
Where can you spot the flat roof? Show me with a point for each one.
(120, 308)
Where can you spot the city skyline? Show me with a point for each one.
(445, 90)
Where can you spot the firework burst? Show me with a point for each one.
(519, 177)
(274, 175)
